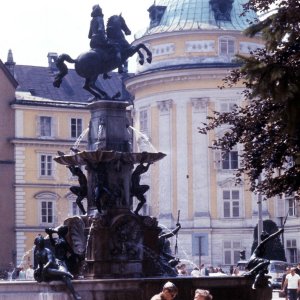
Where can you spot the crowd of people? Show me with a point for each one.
(18, 273)
(205, 271)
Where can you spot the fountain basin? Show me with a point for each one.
(98, 156)
(222, 288)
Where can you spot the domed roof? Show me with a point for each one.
(178, 15)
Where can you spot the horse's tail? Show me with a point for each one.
(62, 68)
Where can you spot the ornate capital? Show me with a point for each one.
(164, 106)
(199, 104)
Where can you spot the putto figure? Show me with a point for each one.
(81, 190)
(138, 190)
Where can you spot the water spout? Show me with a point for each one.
(100, 135)
(79, 139)
(142, 140)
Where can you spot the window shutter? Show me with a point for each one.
(297, 203)
(38, 126)
(54, 127)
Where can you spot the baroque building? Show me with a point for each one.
(39, 120)
(194, 43)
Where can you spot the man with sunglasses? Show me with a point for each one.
(169, 292)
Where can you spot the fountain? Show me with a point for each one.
(118, 250)
(114, 236)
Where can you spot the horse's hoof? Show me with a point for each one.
(141, 61)
(149, 60)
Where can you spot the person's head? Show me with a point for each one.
(169, 290)
(298, 266)
(96, 11)
(202, 295)
(62, 230)
(288, 270)
(39, 242)
(293, 271)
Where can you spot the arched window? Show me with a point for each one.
(73, 207)
(46, 208)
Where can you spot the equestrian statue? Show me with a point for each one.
(109, 50)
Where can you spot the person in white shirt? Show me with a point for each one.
(29, 273)
(292, 282)
(196, 272)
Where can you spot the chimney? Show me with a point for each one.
(10, 64)
(52, 57)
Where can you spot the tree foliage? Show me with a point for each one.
(268, 125)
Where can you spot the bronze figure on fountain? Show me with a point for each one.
(49, 268)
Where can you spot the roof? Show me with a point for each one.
(8, 74)
(38, 81)
(179, 15)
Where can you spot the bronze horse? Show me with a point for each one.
(94, 62)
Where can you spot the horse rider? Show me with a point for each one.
(97, 29)
(98, 37)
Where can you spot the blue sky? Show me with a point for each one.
(32, 28)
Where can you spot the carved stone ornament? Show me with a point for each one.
(165, 105)
(199, 104)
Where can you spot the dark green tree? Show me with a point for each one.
(268, 125)
(274, 248)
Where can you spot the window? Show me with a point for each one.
(45, 126)
(73, 208)
(230, 160)
(231, 203)
(200, 244)
(46, 208)
(291, 246)
(291, 206)
(231, 254)
(76, 127)
(144, 121)
(47, 212)
(227, 46)
(46, 165)
(227, 107)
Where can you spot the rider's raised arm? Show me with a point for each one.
(272, 236)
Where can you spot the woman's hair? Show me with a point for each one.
(204, 293)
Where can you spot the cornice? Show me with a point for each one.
(168, 76)
(29, 105)
(42, 185)
(42, 142)
(163, 35)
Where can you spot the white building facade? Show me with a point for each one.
(194, 43)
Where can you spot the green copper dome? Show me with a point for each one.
(178, 15)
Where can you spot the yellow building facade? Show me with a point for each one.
(43, 199)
